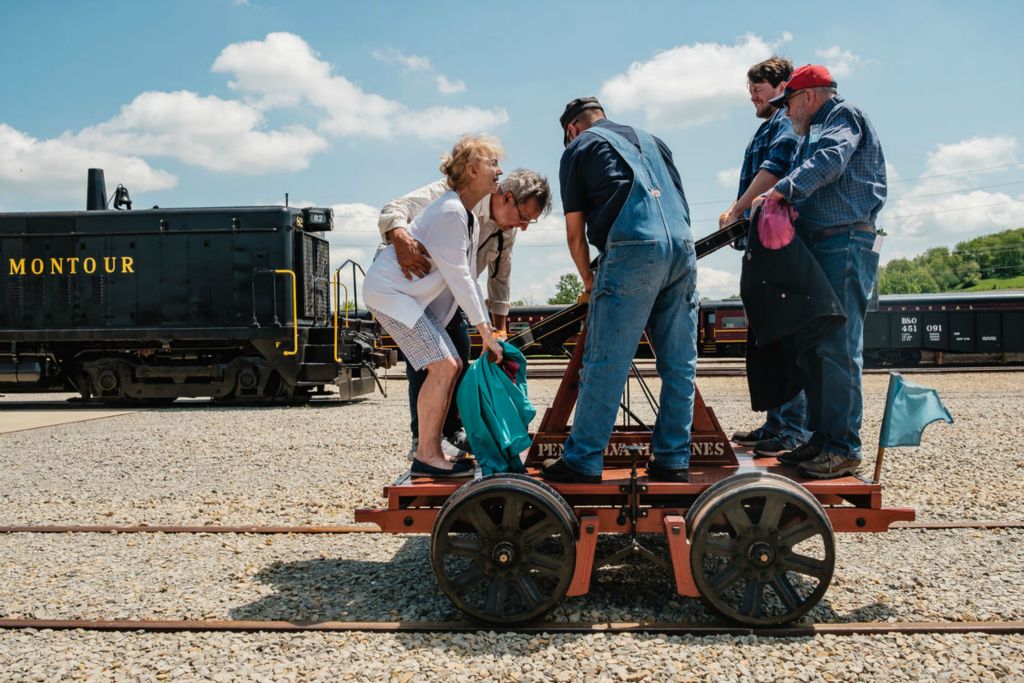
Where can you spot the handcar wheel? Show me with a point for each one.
(714, 489)
(762, 551)
(503, 549)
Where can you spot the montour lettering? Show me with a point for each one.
(71, 265)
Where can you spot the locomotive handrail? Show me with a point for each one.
(355, 290)
(295, 309)
(295, 303)
(337, 298)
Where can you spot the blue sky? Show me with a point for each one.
(224, 102)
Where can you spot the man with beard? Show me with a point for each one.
(766, 160)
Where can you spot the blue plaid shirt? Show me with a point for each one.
(838, 175)
(771, 149)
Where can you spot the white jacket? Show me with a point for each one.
(444, 231)
(399, 212)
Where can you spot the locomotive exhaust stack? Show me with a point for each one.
(96, 191)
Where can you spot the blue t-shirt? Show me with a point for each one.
(595, 180)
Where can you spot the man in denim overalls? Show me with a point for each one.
(621, 193)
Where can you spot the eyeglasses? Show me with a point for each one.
(522, 218)
(789, 99)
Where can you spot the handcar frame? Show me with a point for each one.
(750, 537)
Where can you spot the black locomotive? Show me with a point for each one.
(151, 305)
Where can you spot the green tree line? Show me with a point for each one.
(990, 257)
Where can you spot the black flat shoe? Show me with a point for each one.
(658, 473)
(557, 470)
(459, 469)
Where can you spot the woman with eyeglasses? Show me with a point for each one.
(415, 311)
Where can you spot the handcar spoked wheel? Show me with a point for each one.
(504, 549)
(762, 550)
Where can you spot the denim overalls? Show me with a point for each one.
(646, 277)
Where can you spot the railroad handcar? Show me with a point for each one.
(156, 304)
(749, 536)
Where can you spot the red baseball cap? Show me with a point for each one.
(806, 76)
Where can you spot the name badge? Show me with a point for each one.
(815, 133)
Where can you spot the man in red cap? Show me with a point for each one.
(837, 184)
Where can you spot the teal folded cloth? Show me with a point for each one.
(496, 412)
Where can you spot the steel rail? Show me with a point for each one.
(367, 529)
(553, 371)
(663, 628)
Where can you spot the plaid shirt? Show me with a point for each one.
(771, 149)
(839, 170)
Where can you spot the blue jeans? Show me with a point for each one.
(834, 402)
(458, 330)
(640, 283)
(788, 422)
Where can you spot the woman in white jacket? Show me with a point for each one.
(415, 312)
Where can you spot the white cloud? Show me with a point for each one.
(407, 62)
(57, 167)
(449, 87)
(209, 132)
(729, 178)
(839, 62)
(416, 64)
(972, 154)
(717, 284)
(356, 217)
(445, 123)
(283, 70)
(689, 84)
(946, 205)
(231, 135)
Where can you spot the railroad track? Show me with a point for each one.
(366, 529)
(662, 628)
(556, 370)
(801, 629)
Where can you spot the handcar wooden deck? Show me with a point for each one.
(750, 537)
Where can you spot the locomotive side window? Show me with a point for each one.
(734, 322)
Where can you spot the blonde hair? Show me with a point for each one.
(468, 149)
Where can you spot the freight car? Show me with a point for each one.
(151, 305)
(904, 329)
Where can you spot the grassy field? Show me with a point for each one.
(997, 283)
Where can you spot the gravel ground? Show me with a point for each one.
(509, 657)
(385, 577)
(193, 464)
(314, 464)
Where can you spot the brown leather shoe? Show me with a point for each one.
(829, 466)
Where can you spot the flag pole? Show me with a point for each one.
(878, 464)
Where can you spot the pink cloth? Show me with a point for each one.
(775, 224)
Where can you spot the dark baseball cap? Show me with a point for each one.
(574, 109)
(806, 76)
